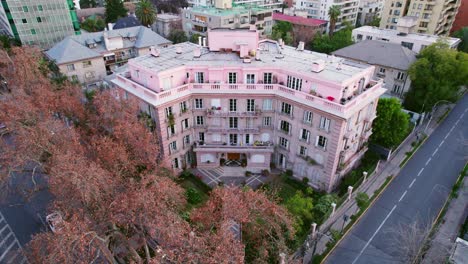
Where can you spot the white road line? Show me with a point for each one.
(435, 151)
(428, 160)
(451, 129)
(411, 185)
(7, 250)
(403, 196)
(419, 173)
(446, 136)
(372, 237)
(442, 142)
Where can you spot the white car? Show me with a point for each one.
(54, 221)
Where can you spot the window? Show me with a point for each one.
(200, 121)
(185, 123)
(369, 37)
(233, 105)
(86, 64)
(358, 119)
(267, 121)
(302, 151)
(267, 78)
(308, 117)
(33, 31)
(198, 103)
(24, 20)
(396, 89)
(75, 79)
(401, 76)
(186, 140)
(247, 138)
(25, 9)
(286, 108)
(409, 45)
(294, 83)
(173, 146)
(250, 105)
(285, 126)
(359, 37)
(168, 111)
(324, 123)
(233, 122)
(267, 104)
(304, 135)
(232, 77)
(423, 24)
(183, 106)
(175, 163)
(199, 77)
(284, 143)
(321, 142)
(201, 136)
(171, 130)
(39, 7)
(70, 67)
(233, 139)
(250, 78)
(382, 70)
(39, 19)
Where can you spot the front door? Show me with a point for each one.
(282, 161)
(233, 156)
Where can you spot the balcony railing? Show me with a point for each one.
(233, 130)
(257, 145)
(218, 113)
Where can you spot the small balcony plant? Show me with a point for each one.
(171, 120)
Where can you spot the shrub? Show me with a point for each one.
(192, 195)
(362, 200)
(289, 173)
(248, 173)
(305, 180)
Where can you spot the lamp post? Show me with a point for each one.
(432, 113)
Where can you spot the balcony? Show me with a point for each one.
(219, 113)
(233, 130)
(257, 146)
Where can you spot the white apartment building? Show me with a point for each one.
(319, 9)
(368, 11)
(272, 4)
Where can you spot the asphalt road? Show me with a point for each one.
(416, 195)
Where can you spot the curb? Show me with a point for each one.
(370, 205)
(402, 165)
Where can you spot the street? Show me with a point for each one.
(414, 198)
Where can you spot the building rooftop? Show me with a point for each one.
(269, 54)
(299, 20)
(126, 22)
(166, 16)
(387, 33)
(382, 53)
(241, 9)
(92, 45)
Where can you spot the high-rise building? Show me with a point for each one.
(431, 16)
(41, 22)
(244, 102)
(461, 20)
(369, 10)
(271, 4)
(318, 9)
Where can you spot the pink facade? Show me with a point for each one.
(280, 105)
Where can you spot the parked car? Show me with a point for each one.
(54, 221)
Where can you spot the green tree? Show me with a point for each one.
(436, 75)
(115, 9)
(301, 207)
(323, 204)
(362, 201)
(93, 24)
(177, 36)
(145, 12)
(326, 44)
(391, 125)
(334, 12)
(194, 38)
(375, 22)
(463, 35)
(87, 3)
(282, 30)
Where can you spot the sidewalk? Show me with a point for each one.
(373, 183)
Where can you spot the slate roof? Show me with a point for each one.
(379, 53)
(75, 48)
(126, 22)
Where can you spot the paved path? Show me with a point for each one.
(229, 176)
(416, 195)
(10, 248)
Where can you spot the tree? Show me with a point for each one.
(334, 12)
(323, 205)
(177, 36)
(436, 75)
(115, 9)
(391, 125)
(463, 35)
(282, 30)
(93, 24)
(326, 44)
(362, 201)
(145, 12)
(301, 207)
(172, 6)
(375, 22)
(194, 38)
(87, 3)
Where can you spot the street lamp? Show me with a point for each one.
(432, 112)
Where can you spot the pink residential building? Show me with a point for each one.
(242, 101)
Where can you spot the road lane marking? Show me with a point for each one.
(419, 173)
(451, 129)
(442, 142)
(375, 233)
(435, 151)
(401, 198)
(411, 185)
(429, 160)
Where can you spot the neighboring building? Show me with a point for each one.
(245, 102)
(165, 23)
(319, 9)
(432, 17)
(41, 22)
(304, 29)
(413, 41)
(89, 57)
(197, 20)
(270, 4)
(126, 22)
(391, 61)
(5, 28)
(459, 252)
(368, 11)
(461, 20)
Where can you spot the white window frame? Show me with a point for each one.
(267, 104)
(250, 105)
(198, 103)
(199, 77)
(250, 78)
(267, 77)
(232, 105)
(303, 151)
(168, 111)
(283, 142)
(308, 116)
(200, 120)
(304, 135)
(267, 121)
(286, 108)
(324, 124)
(232, 77)
(71, 67)
(294, 83)
(233, 122)
(321, 142)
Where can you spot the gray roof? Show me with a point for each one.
(126, 22)
(379, 53)
(75, 48)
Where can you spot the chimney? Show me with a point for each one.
(204, 42)
(110, 26)
(154, 51)
(178, 49)
(199, 41)
(318, 66)
(300, 47)
(197, 52)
